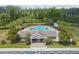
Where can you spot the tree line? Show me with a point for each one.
(11, 13)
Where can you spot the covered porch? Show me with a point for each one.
(39, 38)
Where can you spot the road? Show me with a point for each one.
(39, 51)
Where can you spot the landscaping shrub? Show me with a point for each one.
(3, 27)
(64, 42)
(27, 39)
(64, 38)
(16, 39)
(12, 34)
(48, 40)
(3, 42)
(74, 42)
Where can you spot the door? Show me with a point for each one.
(37, 40)
(34, 40)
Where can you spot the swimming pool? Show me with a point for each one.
(43, 28)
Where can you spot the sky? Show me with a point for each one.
(45, 6)
(49, 6)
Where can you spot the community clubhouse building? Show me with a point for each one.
(39, 33)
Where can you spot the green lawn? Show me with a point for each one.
(17, 45)
(61, 46)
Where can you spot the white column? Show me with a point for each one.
(31, 40)
(57, 37)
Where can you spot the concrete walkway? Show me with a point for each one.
(38, 45)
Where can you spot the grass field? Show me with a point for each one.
(74, 30)
(3, 34)
(17, 45)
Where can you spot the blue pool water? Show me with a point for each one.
(39, 28)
